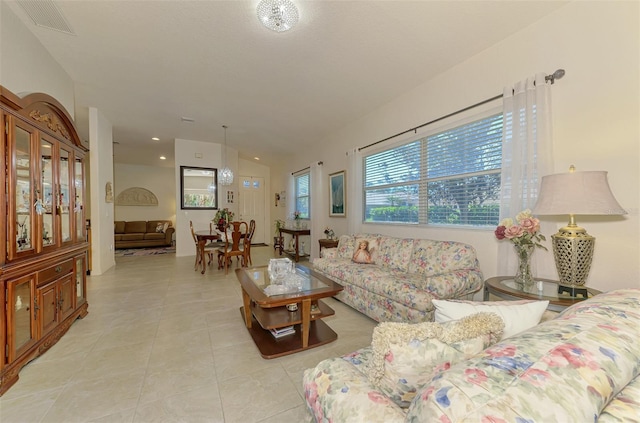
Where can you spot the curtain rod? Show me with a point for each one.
(558, 74)
(306, 168)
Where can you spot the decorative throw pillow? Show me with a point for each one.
(330, 253)
(518, 316)
(346, 246)
(365, 251)
(406, 356)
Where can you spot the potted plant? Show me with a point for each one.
(222, 218)
(329, 232)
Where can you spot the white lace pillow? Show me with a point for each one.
(408, 355)
(518, 316)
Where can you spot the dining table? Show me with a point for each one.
(203, 237)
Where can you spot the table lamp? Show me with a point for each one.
(575, 193)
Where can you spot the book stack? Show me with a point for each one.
(280, 332)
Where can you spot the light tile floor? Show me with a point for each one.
(163, 343)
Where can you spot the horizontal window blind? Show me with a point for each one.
(302, 195)
(476, 147)
(451, 177)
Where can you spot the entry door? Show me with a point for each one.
(252, 205)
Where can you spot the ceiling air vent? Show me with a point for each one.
(47, 14)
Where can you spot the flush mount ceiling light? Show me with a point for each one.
(278, 15)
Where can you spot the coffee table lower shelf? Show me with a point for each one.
(319, 334)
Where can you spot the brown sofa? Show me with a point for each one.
(142, 233)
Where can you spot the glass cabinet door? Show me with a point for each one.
(78, 206)
(20, 315)
(22, 198)
(80, 273)
(64, 194)
(46, 198)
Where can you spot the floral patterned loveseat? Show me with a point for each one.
(406, 274)
(582, 366)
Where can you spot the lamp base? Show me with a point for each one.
(573, 291)
(573, 252)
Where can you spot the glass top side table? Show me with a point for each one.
(543, 289)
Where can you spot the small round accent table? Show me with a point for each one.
(505, 287)
(327, 243)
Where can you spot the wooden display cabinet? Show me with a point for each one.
(43, 244)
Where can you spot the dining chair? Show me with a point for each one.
(247, 242)
(233, 247)
(208, 249)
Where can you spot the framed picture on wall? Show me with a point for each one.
(338, 194)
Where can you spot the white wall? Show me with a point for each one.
(101, 156)
(280, 174)
(26, 66)
(596, 118)
(158, 180)
(199, 154)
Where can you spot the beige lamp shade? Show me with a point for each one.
(576, 193)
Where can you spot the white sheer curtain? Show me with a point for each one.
(291, 196)
(318, 206)
(527, 155)
(354, 191)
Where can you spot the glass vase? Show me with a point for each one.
(523, 273)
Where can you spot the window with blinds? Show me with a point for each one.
(302, 193)
(447, 178)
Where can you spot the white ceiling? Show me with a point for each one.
(146, 64)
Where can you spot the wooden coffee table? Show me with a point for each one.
(262, 312)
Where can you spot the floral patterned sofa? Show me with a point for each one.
(582, 366)
(406, 274)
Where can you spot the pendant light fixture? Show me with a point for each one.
(225, 175)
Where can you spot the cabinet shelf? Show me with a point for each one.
(264, 319)
(279, 317)
(293, 253)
